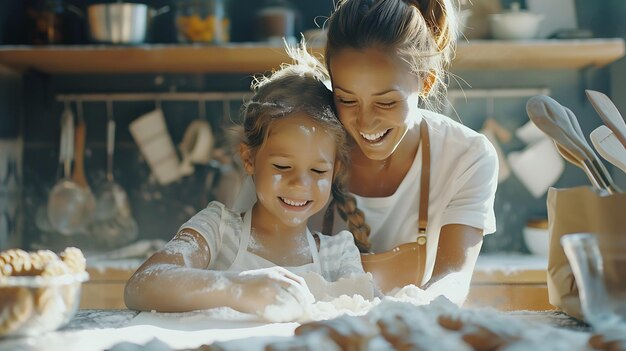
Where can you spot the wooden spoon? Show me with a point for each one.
(541, 110)
(595, 160)
(609, 114)
(79, 164)
(593, 178)
(608, 146)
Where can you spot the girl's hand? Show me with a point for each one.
(274, 293)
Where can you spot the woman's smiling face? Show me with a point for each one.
(376, 96)
(293, 170)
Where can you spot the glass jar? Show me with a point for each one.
(276, 22)
(202, 21)
(53, 22)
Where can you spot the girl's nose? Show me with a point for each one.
(300, 180)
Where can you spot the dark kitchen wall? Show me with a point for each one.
(158, 209)
(11, 146)
(161, 209)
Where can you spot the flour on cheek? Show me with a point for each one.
(323, 185)
(276, 179)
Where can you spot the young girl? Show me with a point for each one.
(385, 59)
(294, 148)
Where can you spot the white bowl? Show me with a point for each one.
(537, 240)
(515, 24)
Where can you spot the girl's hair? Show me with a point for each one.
(422, 32)
(300, 87)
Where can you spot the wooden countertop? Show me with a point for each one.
(500, 268)
(510, 268)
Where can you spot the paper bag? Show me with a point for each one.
(579, 210)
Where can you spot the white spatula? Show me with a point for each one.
(608, 146)
(609, 114)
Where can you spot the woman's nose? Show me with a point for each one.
(366, 119)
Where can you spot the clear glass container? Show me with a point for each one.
(202, 21)
(276, 22)
(33, 305)
(53, 22)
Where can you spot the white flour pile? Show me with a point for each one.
(356, 305)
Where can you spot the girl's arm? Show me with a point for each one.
(175, 279)
(459, 246)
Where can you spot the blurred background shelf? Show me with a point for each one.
(252, 58)
(538, 54)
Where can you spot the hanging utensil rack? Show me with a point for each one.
(168, 96)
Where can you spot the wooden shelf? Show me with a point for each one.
(253, 58)
(538, 54)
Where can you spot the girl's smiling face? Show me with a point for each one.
(376, 96)
(292, 171)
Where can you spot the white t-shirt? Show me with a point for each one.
(224, 232)
(463, 181)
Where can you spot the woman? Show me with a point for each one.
(385, 58)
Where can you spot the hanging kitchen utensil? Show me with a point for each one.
(538, 166)
(155, 143)
(79, 163)
(112, 199)
(197, 142)
(67, 200)
(114, 225)
(608, 146)
(609, 114)
(552, 119)
(496, 134)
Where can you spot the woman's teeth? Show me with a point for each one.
(374, 137)
(293, 202)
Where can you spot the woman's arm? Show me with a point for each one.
(459, 246)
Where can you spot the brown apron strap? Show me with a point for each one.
(424, 183)
(423, 210)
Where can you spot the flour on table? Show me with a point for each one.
(322, 290)
(417, 307)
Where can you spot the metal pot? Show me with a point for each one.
(121, 22)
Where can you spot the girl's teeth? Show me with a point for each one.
(293, 203)
(372, 137)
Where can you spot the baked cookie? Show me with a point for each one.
(348, 332)
(18, 304)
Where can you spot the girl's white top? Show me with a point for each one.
(463, 181)
(228, 236)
